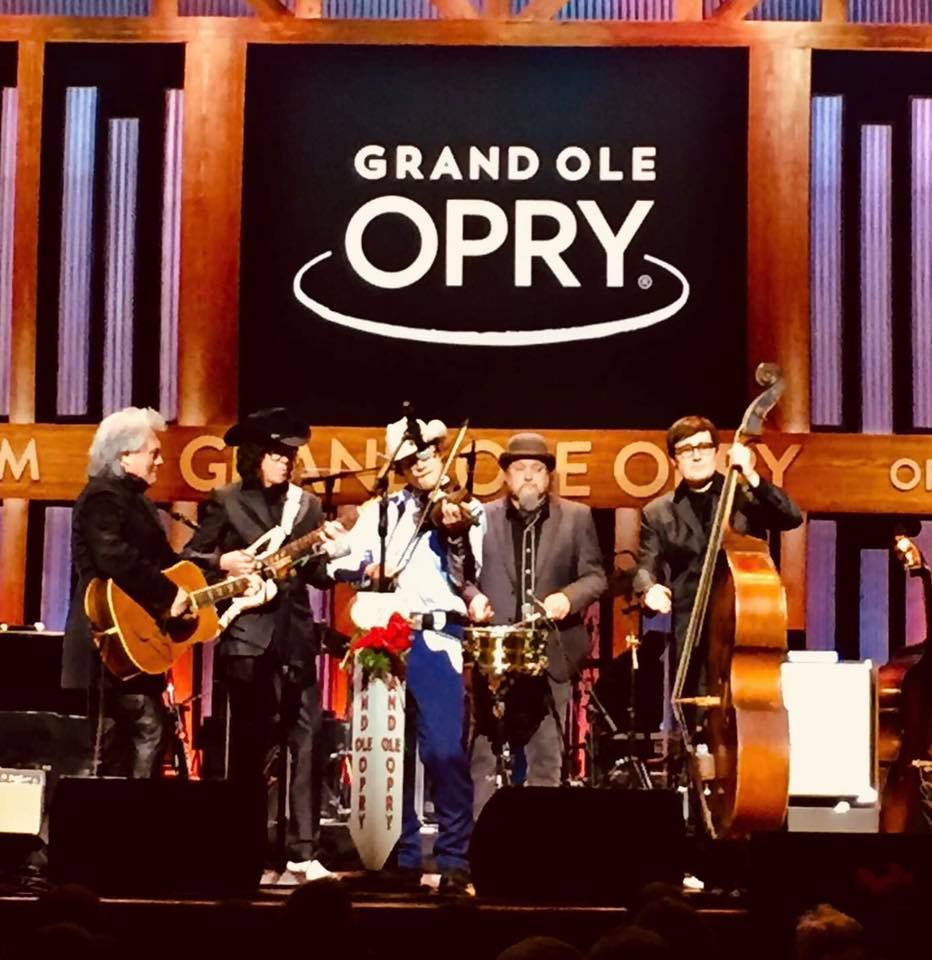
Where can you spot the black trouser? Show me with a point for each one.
(132, 745)
(271, 704)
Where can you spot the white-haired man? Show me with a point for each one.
(425, 562)
(116, 533)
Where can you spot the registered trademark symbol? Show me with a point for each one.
(645, 282)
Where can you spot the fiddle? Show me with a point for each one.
(450, 493)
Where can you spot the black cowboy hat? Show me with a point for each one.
(276, 426)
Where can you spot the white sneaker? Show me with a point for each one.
(692, 883)
(311, 869)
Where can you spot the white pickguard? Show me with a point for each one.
(265, 546)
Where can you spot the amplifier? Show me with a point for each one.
(21, 795)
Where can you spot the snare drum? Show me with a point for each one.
(506, 649)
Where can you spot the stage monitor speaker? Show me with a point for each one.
(157, 837)
(576, 844)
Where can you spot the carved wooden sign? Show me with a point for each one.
(830, 472)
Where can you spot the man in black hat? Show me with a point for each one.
(267, 655)
(540, 556)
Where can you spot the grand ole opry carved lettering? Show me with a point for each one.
(823, 472)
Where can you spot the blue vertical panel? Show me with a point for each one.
(826, 264)
(821, 545)
(890, 11)
(77, 225)
(56, 567)
(8, 123)
(215, 8)
(916, 630)
(383, 9)
(876, 280)
(874, 605)
(120, 262)
(921, 260)
(171, 254)
(76, 8)
(787, 10)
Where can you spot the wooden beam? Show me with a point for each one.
(478, 32)
(778, 222)
(456, 9)
(793, 549)
(15, 526)
(211, 188)
(164, 9)
(834, 11)
(823, 472)
(730, 10)
(497, 10)
(542, 9)
(308, 9)
(31, 59)
(687, 10)
(270, 9)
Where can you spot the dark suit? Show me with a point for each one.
(116, 533)
(673, 541)
(268, 655)
(568, 561)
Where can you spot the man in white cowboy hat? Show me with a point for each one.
(423, 561)
(267, 656)
(540, 556)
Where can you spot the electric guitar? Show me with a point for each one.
(275, 561)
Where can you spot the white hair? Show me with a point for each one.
(121, 432)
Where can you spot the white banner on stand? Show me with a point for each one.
(378, 767)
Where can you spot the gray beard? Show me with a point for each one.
(529, 500)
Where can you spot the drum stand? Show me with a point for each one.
(632, 766)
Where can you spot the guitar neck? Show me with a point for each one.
(208, 596)
(296, 548)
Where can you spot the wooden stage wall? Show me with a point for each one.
(832, 473)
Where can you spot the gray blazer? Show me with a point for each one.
(568, 560)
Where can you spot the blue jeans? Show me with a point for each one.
(434, 715)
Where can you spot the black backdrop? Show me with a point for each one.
(310, 109)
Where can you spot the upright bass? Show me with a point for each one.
(738, 626)
(904, 742)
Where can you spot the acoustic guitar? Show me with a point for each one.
(131, 641)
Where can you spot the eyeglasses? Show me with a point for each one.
(281, 457)
(687, 449)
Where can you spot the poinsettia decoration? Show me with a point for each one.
(382, 651)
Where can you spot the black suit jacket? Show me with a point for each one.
(115, 532)
(568, 560)
(673, 542)
(232, 518)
